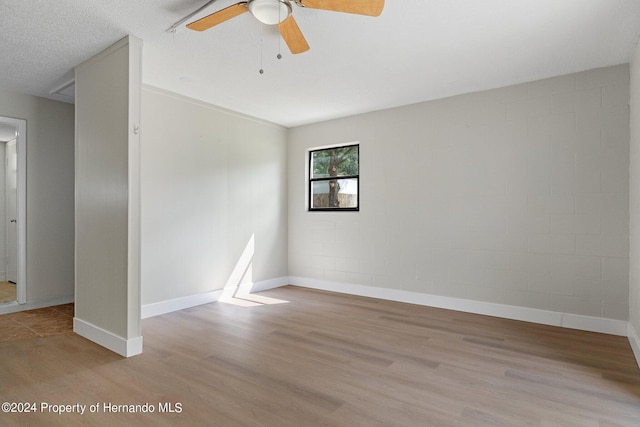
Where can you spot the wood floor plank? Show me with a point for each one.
(329, 359)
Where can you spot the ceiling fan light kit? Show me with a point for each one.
(270, 12)
(279, 13)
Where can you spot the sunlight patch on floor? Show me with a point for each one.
(238, 301)
(236, 291)
(261, 299)
(250, 300)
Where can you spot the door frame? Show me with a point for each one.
(21, 148)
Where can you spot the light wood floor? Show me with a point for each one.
(326, 359)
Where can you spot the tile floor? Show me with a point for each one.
(7, 292)
(37, 323)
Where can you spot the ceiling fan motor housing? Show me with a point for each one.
(270, 12)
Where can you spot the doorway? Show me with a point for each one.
(13, 209)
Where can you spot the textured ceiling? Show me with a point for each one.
(415, 51)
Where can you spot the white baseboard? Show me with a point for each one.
(545, 317)
(13, 307)
(124, 347)
(168, 306)
(634, 340)
(263, 285)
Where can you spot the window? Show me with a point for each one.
(333, 179)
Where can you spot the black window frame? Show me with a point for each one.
(311, 180)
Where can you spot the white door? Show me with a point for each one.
(12, 211)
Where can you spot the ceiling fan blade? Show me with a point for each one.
(359, 7)
(293, 36)
(218, 17)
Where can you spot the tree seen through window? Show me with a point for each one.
(334, 176)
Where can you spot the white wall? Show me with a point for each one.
(211, 180)
(634, 271)
(107, 308)
(50, 194)
(515, 196)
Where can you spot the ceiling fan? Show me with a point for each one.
(279, 13)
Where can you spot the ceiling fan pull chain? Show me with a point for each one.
(261, 38)
(279, 56)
